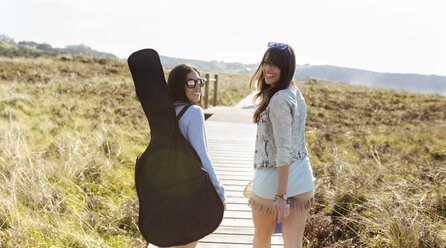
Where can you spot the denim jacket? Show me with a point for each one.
(281, 130)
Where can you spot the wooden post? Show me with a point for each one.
(215, 89)
(206, 91)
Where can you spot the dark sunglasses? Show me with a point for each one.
(192, 83)
(281, 46)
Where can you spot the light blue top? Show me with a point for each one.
(192, 127)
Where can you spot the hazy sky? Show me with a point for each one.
(403, 36)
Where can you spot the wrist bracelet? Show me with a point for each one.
(287, 200)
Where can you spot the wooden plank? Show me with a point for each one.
(214, 152)
(236, 156)
(234, 194)
(247, 215)
(236, 239)
(235, 222)
(235, 149)
(239, 181)
(248, 230)
(234, 188)
(231, 206)
(242, 183)
(221, 245)
(239, 162)
(230, 159)
(218, 164)
(236, 177)
(233, 169)
(223, 162)
(233, 145)
(236, 200)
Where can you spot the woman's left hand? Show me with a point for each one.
(282, 209)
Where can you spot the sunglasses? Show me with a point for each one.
(192, 83)
(281, 46)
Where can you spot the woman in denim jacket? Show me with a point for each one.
(283, 181)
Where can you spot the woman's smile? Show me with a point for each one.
(272, 74)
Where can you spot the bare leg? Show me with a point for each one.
(293, 228)
(264, 228)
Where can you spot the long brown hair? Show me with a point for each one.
(286, 61)
(177, 81)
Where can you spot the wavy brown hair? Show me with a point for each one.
(286, 61)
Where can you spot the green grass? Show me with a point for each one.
(71, 128)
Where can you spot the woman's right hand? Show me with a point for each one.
(282, 209)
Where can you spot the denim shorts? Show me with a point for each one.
(300, 189)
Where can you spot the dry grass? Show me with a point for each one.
(71, 127)
(379, 156)
(70, 130)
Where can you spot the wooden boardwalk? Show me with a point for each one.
(231, 140)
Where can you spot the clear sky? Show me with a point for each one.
(402, 36)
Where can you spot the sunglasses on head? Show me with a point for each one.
(281, 46)
(192, 83)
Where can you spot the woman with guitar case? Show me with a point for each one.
(178, 203)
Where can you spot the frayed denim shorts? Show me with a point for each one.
(300, 189)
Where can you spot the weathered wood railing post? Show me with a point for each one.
(206, 90)
(215, 89)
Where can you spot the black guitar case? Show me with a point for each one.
(177, 202)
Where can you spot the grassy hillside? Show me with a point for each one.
(71, 127)
(30, 49)
(14, 50)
